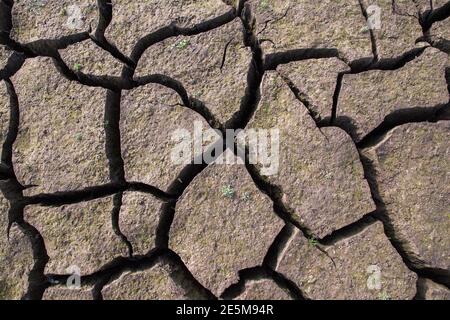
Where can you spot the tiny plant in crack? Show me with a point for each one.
(77, 67)
(313, 242)
(182, 44)
(228, 191)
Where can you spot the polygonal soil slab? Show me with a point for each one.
(37, 19)
(223, 224)
(16, 258)
(156, 283)
(364, 266)
(370, 96)
(414, 183)
(78, 235)
(60, 145)
(319, 171)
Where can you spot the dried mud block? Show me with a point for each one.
(60, 145)
(364, 266)
(319, 171)
(413, 179)
(78, 235)
(134, 20)
(223, 224)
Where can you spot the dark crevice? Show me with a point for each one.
(301, 96)
(275, 252)
(436, 42)
(385, 64)
(115, 221)
(273, 60)
(275, 194)
(118, 266)
(401, 117)
(37, 282)
(224, 56)
(337, 92)
(57, 199)
(421, 289)
(13, 129)
(432, 16)
(252, 96)
(349, 230)
(373, 38)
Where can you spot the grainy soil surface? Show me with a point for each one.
(93, 206)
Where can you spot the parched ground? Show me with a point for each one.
(93, 91)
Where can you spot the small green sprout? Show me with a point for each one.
(182, 44)
(228, 191)
(79, 137)
(77, 66)
(313, 241)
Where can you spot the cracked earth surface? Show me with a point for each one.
(92, 92)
